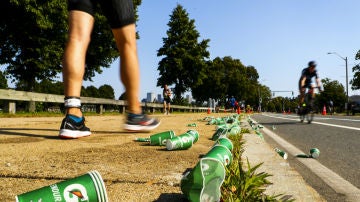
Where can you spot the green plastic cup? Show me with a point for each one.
(204, 181)
(235, 130)
(142, 139)
(225, 142)
(219, 132)
(221, 153)
(159, 139)
(220, 121)
(282, 153)
(181, 142)
(88, 187)
(194, 134)
(314, 153)
(212, 121)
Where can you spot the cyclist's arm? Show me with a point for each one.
(302, 82)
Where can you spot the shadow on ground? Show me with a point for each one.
(173, 197)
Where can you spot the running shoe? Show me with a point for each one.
(71, 129)
(140, 122)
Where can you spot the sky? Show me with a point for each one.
(277, 37)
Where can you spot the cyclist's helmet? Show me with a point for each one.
(312, 64)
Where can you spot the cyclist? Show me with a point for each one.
(305, 80)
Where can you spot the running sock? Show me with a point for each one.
(75, 118)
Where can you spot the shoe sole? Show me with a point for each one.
(140, 127)
(71, 134)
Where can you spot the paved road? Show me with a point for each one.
(337, 137)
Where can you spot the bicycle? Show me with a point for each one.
(308, 109)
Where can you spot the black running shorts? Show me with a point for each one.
(118, 12)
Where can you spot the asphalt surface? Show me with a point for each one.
(337, 138)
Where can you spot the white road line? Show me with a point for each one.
(315, 122)
(336, 182)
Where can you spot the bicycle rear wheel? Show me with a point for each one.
(310, 117)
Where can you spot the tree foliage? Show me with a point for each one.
(355, 82)
(333, 90)
(3, 81)
(106, 91)
(32, 40)
(228, 77)
(183, 62)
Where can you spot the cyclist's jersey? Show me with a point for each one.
(308, 75)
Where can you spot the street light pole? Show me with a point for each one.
(347, 82)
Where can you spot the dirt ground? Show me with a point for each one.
(32, 156)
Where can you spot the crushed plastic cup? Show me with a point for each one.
(87, 187)
(194, 134)
(159, 139)
(225, 142)
(235, 130)
(219, 132)
(181, 142)
(204, 181)
(314, 153)
(221, 153)
(282, 153)
(142, 139)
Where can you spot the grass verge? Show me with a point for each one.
(242, 181)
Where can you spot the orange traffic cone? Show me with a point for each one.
(324, 110)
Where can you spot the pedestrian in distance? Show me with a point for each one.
(120, 15)
(232, 103)
(167, 99)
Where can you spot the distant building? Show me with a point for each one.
(150, 97)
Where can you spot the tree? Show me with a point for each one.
(90, 91)
(333, 90)
(355, 82)
(213, 85)
(47, 86)
(183, 63)
(228, 77)
(3, 81)
(32, 38)
(106, 91)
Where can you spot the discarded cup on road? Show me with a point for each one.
(160, 138)
(194, 134)
(204, 181)
(225, 142)
(281, 153)
(221, 153)
(183, 141)
(88, 187)
(314, 153)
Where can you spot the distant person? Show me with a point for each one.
(305, 80)
(167, 99)
(120, 15)
(232, 103)
(331, 107)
